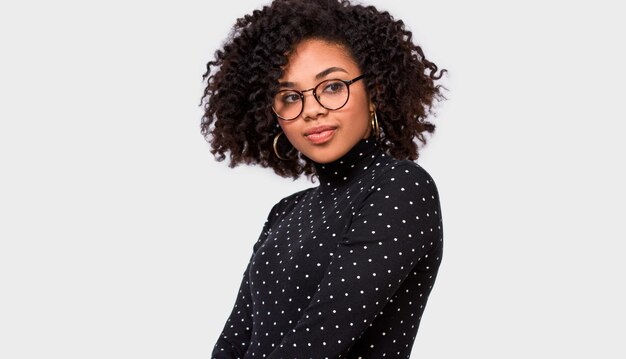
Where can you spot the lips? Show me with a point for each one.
(320, 135)
(318, 130)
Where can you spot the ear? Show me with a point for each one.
(371, 95)
(276, 121)
(372, 107)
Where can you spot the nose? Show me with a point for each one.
(311, 108)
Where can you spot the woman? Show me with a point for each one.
(339, 92)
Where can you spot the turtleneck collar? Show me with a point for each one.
(350, 165)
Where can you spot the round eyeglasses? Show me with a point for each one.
(331, 94)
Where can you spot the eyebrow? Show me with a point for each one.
(317, 77)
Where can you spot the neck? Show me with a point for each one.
(349, 166)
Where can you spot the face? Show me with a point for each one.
(320, 134)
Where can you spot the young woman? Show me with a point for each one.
(336, 91)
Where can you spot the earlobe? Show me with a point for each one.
(371, 105)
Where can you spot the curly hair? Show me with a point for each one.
(238, 116)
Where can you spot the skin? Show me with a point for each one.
(352, 122)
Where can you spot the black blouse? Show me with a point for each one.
(343, 269)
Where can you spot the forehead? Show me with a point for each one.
(310, 57)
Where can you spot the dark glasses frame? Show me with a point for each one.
(314, 89)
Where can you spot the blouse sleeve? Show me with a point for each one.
(397, 225)
(235, 337)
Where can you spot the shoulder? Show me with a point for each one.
(286, 203)
(279, 209)
(399, 183)
(294, 197)
(402, 199)
(405, 176)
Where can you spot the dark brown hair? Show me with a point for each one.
(242, 78)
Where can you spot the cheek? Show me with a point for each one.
(358, 101)
(291, 130)
(359, 110)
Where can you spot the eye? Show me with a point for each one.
(334, 87)
(289, 97)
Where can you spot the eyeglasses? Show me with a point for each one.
(331, 94)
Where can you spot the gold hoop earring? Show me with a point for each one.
(375, 127)
(274, 145)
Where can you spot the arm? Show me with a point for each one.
(397, 225)
(235, 337)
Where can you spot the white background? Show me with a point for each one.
(122, 237)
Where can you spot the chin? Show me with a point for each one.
(323, 157)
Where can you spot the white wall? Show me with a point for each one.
(118, 230)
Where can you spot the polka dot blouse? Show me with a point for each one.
(343, 269)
